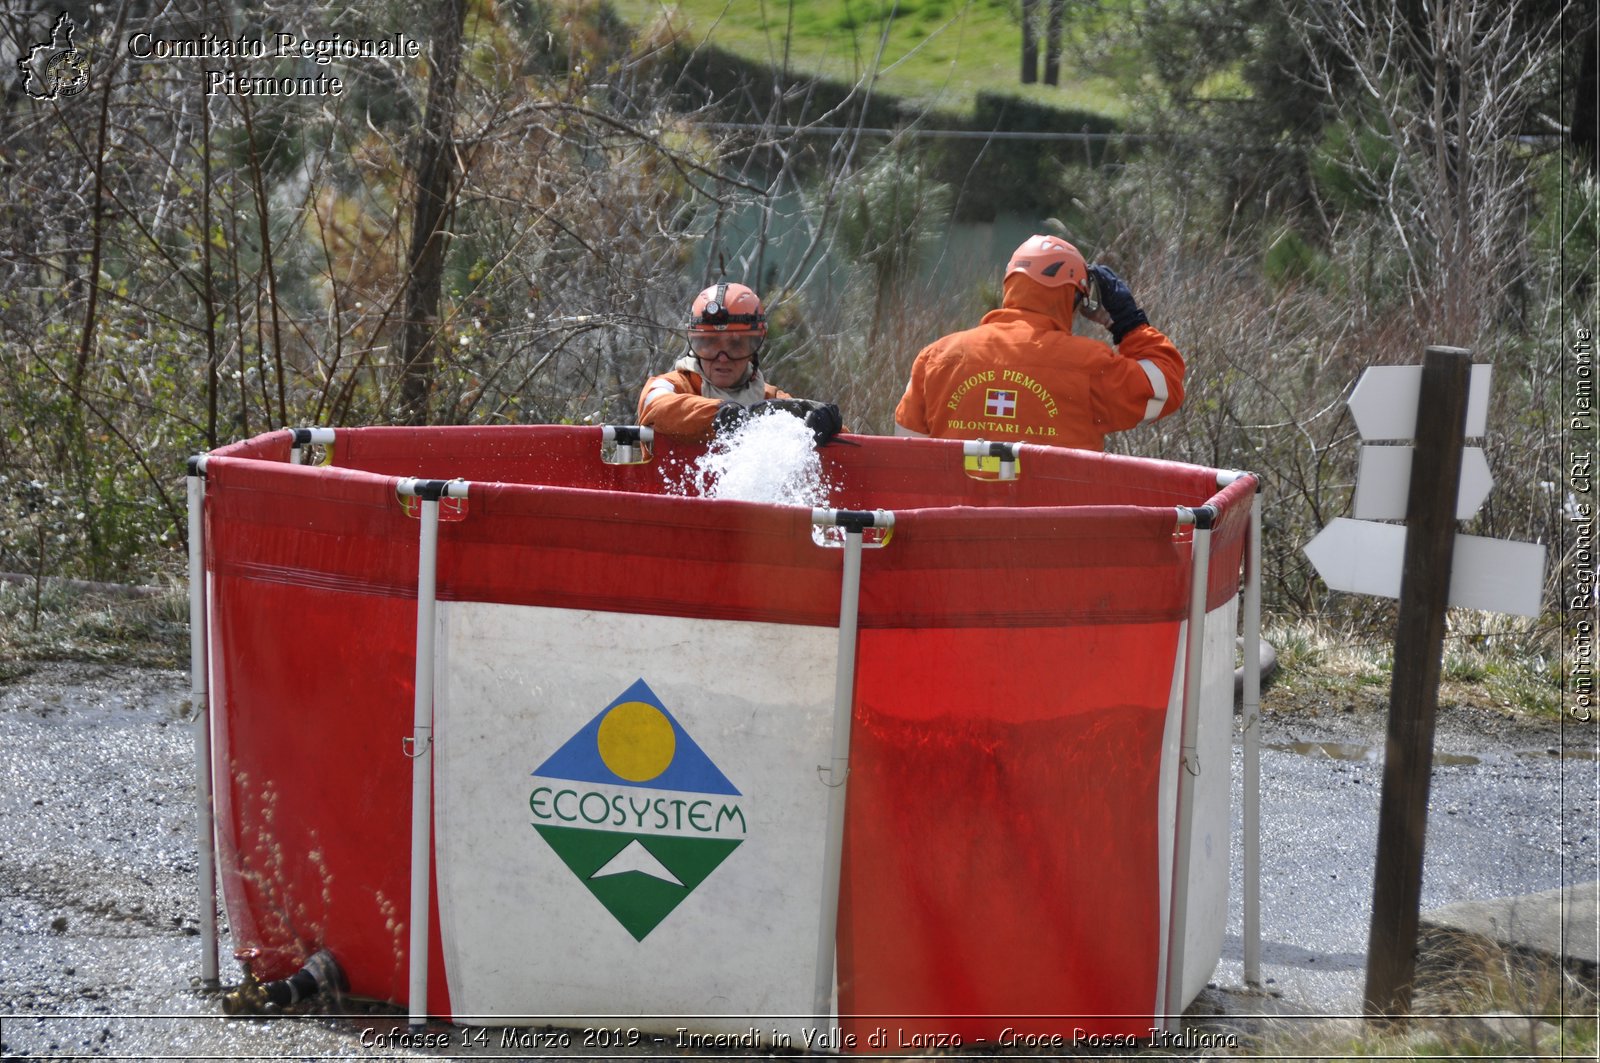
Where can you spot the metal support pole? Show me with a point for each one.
(838, 771)
(1250, 712)
(628, 439)
(421, 741)
(306, 437)
(1188, 761)
(1005, 452)
(199, 698)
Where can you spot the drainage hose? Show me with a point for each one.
(319, 975)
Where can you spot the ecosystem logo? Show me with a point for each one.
(637, 810)
(58, 69)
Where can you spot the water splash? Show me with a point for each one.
(771, 458)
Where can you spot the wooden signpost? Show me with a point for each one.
(1442, 404)
(1414, 686)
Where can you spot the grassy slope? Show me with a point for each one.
(938, 53)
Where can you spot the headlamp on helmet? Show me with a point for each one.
(727, 307)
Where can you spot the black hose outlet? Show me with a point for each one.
(321, 974)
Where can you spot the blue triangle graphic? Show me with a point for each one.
(691, 770)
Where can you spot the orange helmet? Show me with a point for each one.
(727, 307)
(1049, 261)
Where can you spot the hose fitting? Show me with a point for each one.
(321, 974)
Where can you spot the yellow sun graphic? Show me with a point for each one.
(636, 741)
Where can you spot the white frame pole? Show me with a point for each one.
(1006, 452)
(429, 492)
(1250, 728)
(1250, 711)
(199, 698)
(422, 763)
(306, 437)
(628, 439)
(1188, 761)
(838, 770)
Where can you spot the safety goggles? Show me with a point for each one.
(709, 347)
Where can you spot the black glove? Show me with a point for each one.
(728, 418)
(1118, 303)
(825, 422)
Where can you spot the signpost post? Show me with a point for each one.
(1428, 567)
(1414, 689)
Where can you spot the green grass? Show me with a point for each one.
(68, 625)
(938, 53)
(1499, 664)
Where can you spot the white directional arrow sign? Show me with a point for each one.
(1384, 477)
(1491, 574)
(1384, 403)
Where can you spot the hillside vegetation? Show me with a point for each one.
(931, 55)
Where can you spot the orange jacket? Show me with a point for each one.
(1020, 377)
(672, 403)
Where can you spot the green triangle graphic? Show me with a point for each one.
(638, 901)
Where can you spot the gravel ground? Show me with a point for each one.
(1512, 811)
(98, 940)
(99, 951)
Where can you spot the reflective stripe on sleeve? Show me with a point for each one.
(662, 388)
(1158, 384)
(902, 430)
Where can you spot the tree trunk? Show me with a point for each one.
(436, 167)
(1583, 101)
(1052, 43)
(1030, 45)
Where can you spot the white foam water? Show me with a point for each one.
(771, 458)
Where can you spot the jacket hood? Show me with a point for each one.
(751, 389)
(1024, 293)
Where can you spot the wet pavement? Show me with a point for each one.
(99, 950)
(1509, 815)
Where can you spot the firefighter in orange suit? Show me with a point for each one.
(1022, 376)
(718, 384)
